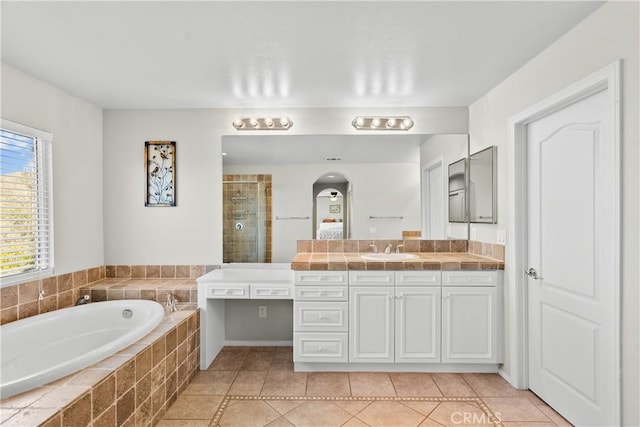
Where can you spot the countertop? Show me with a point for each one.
(304, 261)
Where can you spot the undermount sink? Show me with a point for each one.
(388, 257)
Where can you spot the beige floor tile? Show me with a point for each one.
(414, 384)
(248, 383)
(248, 413)
(460, 413)
(328, 384)
(189, 407)
(285, 353)
(490, 385)
(280, 422)
(281, 364)
(318, 414)
(354, 407)
(355, 422)
(425, 408)
(430, 423)
(514, 409)
(257, 361)
(371, 384)
(183, 423)
(284, 405)
(381, 413)
(527, 424)
(554, 416)
(211, 382)
(285, 383)
(453, 385)
(227, 362)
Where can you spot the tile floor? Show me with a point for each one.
(256, 386)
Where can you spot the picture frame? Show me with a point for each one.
(334, 208)
(160, 173)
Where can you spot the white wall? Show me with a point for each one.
(388, 189)
(191, 232)
(76, 126)
(610, 33)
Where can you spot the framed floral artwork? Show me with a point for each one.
(160, 171)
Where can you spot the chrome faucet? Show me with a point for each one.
(171, 303)
(398, 248)
(374, 248)
(387, 250)
(84, 299)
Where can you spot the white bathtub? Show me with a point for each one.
(44, 348)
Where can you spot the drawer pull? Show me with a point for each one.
(229, 292)
(321, 349)
(322, 318)
(323, 294)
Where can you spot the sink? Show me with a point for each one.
(388, 257)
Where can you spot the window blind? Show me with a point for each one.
(26, 226)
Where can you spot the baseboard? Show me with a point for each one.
(258, 343)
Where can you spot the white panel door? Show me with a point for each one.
(371, 317)
(571, 313)
(417, 324)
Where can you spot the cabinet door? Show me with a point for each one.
(371, 318)
(417, 324)
(469, 325)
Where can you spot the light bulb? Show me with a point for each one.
(285, 122)
(359, 122)
(238, 124)
(268, 122)
(375, 122)
(391, 123)
(254, 123)
(407, 123)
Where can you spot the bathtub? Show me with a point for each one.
(44, 348)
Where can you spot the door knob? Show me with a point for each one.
(533, 273)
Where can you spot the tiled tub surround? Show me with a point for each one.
(62, 291)
(183, 290)
(429, 255)
(22, 300)
(132, 387)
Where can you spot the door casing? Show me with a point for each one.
(607, 79)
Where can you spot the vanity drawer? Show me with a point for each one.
(321, 316)
(419, 278)
(228, 291)
(470, 278)
(322, 293)
(321, 278)
(320, 347)
(272, 291)
(371, 278)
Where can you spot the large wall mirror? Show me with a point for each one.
(483, 186)
(385, 185)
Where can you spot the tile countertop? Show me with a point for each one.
(304, 261)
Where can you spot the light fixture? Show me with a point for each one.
(262, 123)
(334, 196)
(382, 123)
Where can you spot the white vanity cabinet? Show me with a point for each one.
(416, 320)
(397, 323)
(471, 317)
(320, 317)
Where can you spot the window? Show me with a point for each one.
(26, 220)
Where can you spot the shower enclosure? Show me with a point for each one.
(247, 218)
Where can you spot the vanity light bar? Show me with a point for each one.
(382, 123)
(262, 123)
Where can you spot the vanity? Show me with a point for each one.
(417, 312)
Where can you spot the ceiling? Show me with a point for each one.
(240, 54)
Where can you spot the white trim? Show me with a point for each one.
(426, 216)
(258, 343)
(608, 79)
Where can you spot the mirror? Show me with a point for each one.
(483, 186)
(457, 191)
(384, 184)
